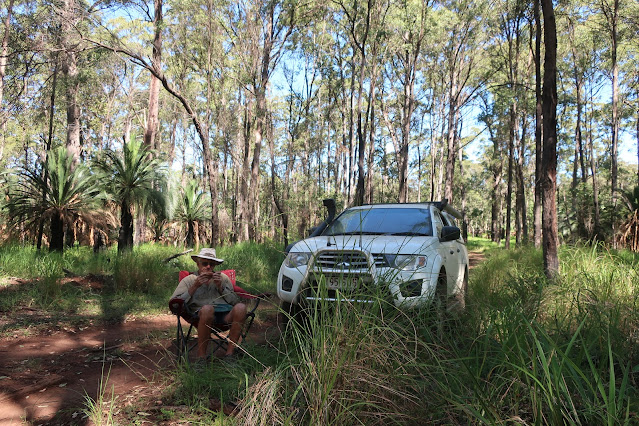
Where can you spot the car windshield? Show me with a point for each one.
(382, 221)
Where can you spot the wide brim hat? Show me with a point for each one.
(207, 253)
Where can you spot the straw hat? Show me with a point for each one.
(207, 253)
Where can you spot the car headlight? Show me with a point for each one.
(409, 262)
(297, 259)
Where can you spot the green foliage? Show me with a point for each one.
(256, 265)
(133, 178)
(56, 192)
(195, 207)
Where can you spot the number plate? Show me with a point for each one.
(344, 282)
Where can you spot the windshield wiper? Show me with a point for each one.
(409, 234)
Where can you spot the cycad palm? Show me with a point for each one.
(59, 193)
(193, 209)
(131, 177)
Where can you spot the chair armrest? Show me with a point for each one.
(177, 306)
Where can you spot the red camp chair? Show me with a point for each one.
(219, 338)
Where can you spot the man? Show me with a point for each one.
(209, 295)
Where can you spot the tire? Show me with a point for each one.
(440, 301)
(458, 301)
(290, 312)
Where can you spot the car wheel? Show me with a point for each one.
(458, 301)
(441, 292)
(290, 312)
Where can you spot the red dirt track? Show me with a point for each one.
(44, 379)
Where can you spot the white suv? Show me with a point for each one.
(410, 253)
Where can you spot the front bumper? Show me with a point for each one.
(360, 282)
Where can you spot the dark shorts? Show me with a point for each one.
(220, 317)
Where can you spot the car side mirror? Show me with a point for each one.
(450, 233)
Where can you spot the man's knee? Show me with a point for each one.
(239, 312)
(206, 313)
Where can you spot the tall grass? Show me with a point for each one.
(523, 352)
(139, 282)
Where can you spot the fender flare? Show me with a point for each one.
(434, 276)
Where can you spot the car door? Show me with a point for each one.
(453, 254)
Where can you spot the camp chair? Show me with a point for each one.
(219, 338)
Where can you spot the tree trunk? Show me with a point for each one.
(522, 233)
(125, 236)
(595, 186)
(54, 85)
(538, 130)
(243, 196)
(57, 233)
(549, 159)
(152, 123)
(70, 71)
(614, 20)
(3, 69)
(451, 138)
(190, 234)
(509, 184)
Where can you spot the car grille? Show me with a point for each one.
(345, 260)
(348, 273)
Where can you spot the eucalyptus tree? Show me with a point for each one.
(259, 32)
(610, 10)
(508, 80)
(407, 31)
(58, 193)
(152, 123)
(462, 68)
(70, 14)
(548, 178)
(4, 51)
(363, 27)
(132, 178)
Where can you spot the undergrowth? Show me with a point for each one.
(523, 352)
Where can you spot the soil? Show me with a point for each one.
(47, 375)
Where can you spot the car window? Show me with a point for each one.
(439, 224)
(448, 220)
(382, 221)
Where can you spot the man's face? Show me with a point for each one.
(206, 265)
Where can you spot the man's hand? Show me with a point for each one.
(217, 279)
(202, 279)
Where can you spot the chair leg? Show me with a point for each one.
(182, 341)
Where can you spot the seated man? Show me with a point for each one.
(209, 295)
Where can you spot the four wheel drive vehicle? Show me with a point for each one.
(410, 253)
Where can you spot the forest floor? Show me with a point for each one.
(48, 372)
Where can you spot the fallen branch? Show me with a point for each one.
(177, 255)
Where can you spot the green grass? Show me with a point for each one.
(523, 352)
(134, 283)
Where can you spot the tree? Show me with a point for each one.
(131, 178)
(60, 194)
(548, 178)
(192, 210)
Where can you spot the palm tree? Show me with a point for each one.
(627, 235)
(60, 193)
(132, 177)
(194, 208)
